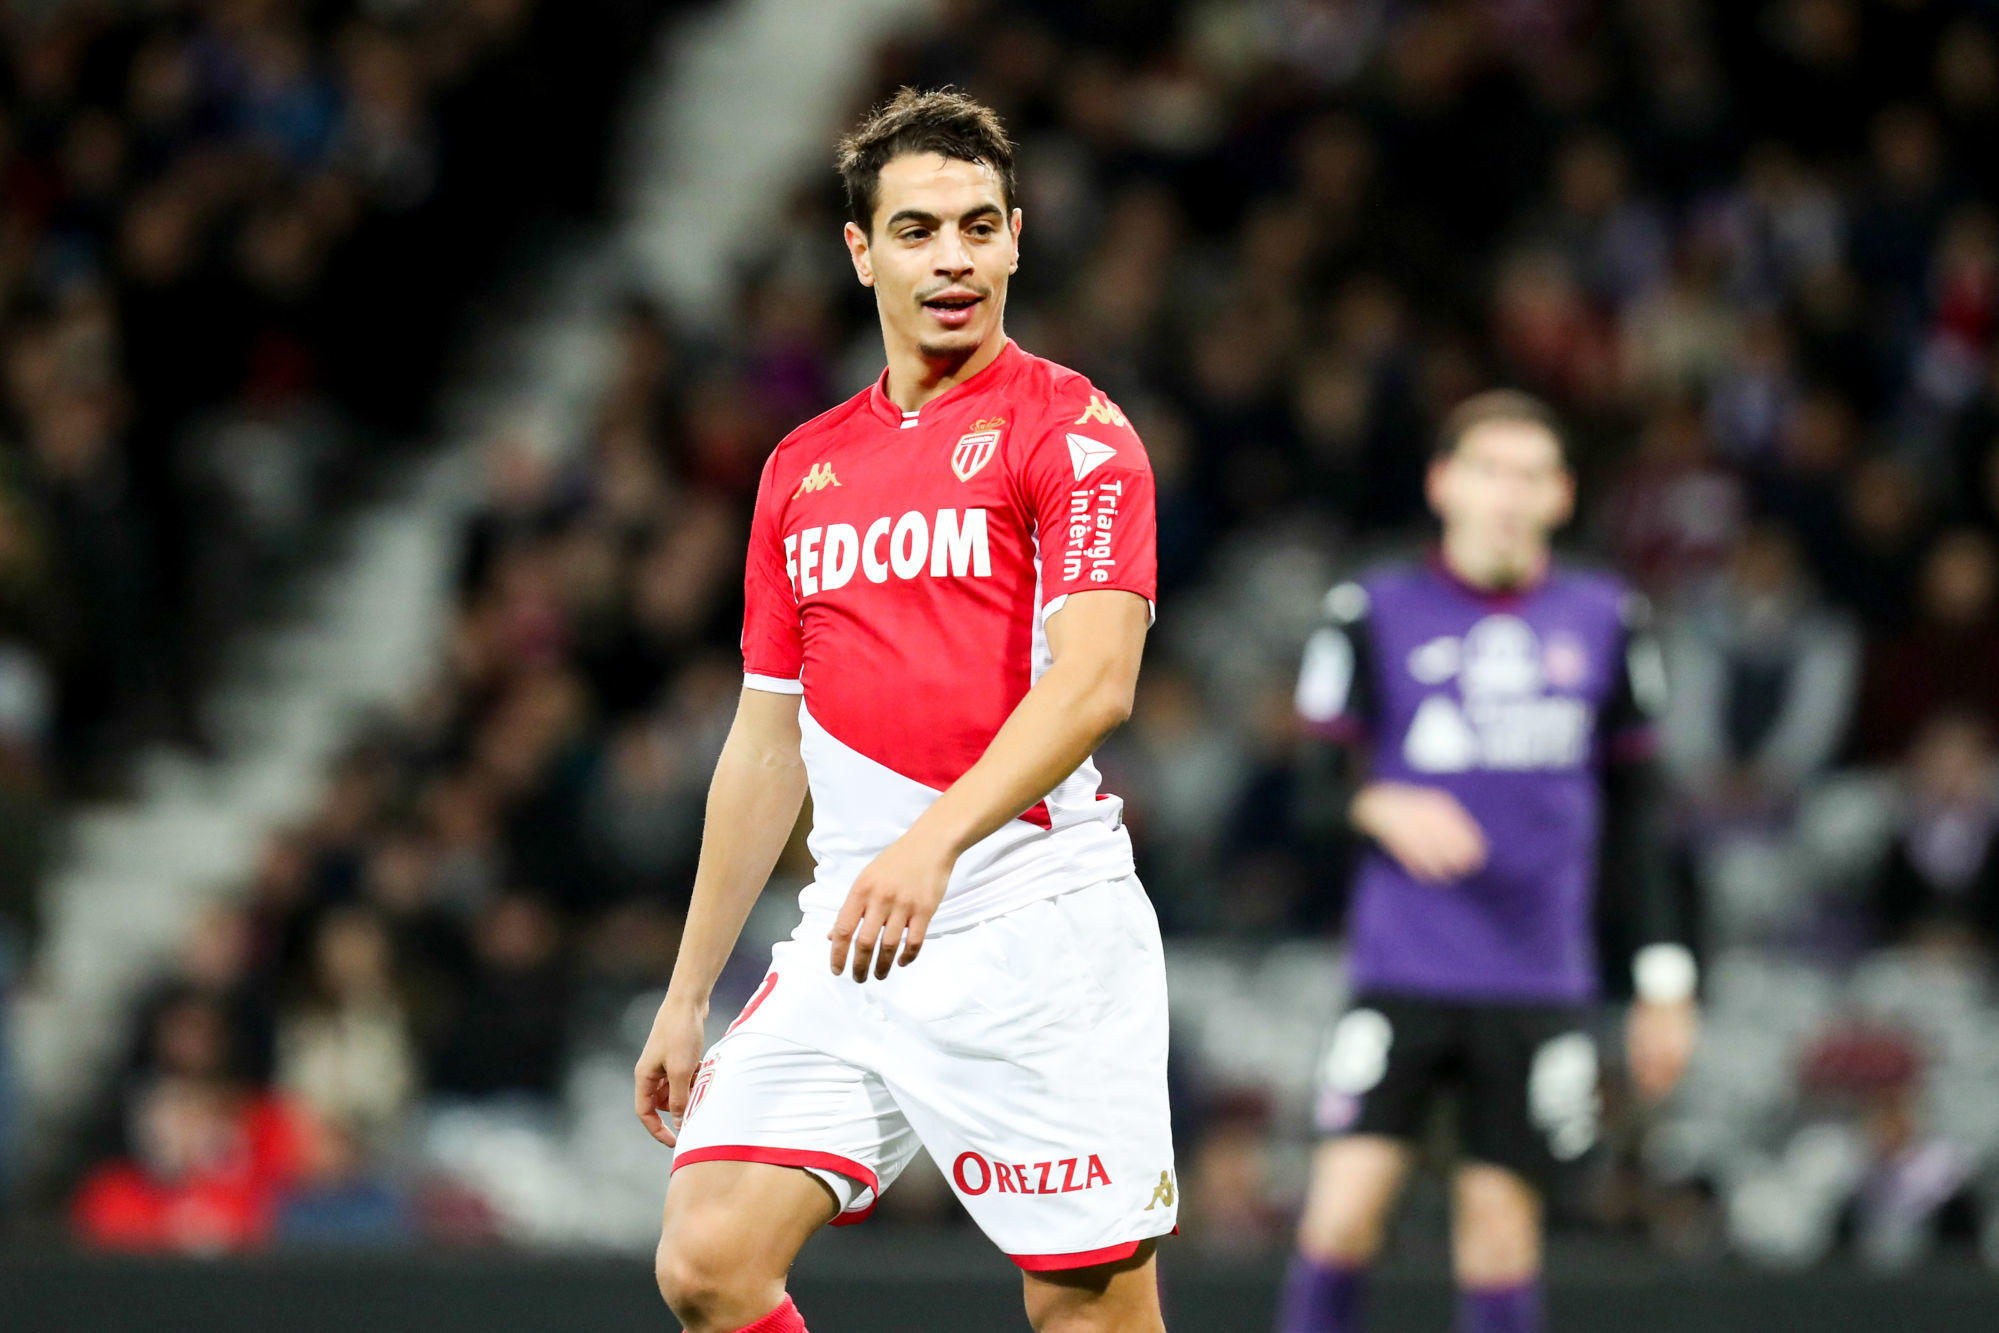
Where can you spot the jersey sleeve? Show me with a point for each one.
(773, 649)
(1630, 720)
(1336, 692)
(1087, 486)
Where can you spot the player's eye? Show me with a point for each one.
(915, 234)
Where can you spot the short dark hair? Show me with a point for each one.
(941, 121)
(1498, 405)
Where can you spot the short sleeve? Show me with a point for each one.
(773, 650)
(1630, 719)
(1088, 487)
(1335, 694)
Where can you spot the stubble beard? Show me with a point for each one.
(959, 349)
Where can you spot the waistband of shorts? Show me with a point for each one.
(823, 921)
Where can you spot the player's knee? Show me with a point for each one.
(1497, 1230)
(1344, 1223)
(1348, 1236)
(1112, 1298)
(694, 1275)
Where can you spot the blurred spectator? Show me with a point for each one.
(1229, 1183)
(1908, 1183)
(643, 820)
(1762, 683)
(1938, 884)
(511, 1019)
(1181, 773)
(219, 974)
(337, 1200)
(1874, 567)
(209, 1166)
(1674, 514)
(1944, 658)
(345, 1050)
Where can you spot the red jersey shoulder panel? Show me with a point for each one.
(1083, 473)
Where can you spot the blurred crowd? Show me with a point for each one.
(237, 240)
(1749, 251)
(207, 209)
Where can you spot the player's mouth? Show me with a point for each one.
(953, 309)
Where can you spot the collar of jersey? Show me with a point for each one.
(884, 407)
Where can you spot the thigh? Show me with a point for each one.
(1385, 1062)
(1117, 1297)
(1532, 1103)
(751, 1214)
(1032, 1063)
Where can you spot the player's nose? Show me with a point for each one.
(954, 257)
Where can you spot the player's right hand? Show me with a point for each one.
(666, 1068)
(1424, 828)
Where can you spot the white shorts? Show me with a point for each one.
(1026, 1052)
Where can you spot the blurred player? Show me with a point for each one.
(1494, 713)
(948, 588)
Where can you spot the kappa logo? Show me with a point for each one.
(1104, 410)
(1088, 454)
(817, 478)
(975, 448)
(1163, 1192)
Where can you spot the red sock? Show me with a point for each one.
(784, 1319)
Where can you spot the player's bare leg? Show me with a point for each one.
(1496, 1250)
(1355, 1182)
(1108, 1298)
(728, 1239)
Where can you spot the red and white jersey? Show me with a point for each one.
(902, 567)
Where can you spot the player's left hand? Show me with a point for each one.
(1659, 1039)
(890, 904)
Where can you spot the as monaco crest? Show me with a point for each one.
(976, 447)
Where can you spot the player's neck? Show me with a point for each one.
(915, 379)
(1490, 571)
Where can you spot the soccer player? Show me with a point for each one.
(1493, 717)
(949, 582)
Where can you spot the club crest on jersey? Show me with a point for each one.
(704, 1074)
(1104, 410)
(817, 478)
(976, 447)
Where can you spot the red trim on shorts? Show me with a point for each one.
(763, 993)
(800, 1157)
(852, 1219)
(1110, 1254)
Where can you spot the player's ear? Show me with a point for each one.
(1434, 483)
(1013, 225)
(857, 250)
(1565, 503)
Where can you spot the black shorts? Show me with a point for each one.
(1524, 1075)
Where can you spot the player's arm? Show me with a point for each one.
(1095, 640)
(1426, 829)
(753, 803)
(1635, 869)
